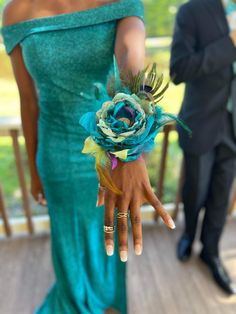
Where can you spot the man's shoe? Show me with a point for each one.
(219, 273)
(184, 248)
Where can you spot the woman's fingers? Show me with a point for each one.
(122, 225)
(101, 195)
(135, 217)
(154, 201)
(109, 223)
(41, 200)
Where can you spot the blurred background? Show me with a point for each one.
(157, 282)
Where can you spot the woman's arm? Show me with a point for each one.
(28, 105)
(130, 177)
(130, 44)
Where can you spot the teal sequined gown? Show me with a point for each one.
(65, 54)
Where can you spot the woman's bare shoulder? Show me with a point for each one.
(16, 11)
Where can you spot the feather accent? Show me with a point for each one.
(114, 83)
(117, 76)
(171, 117)
(102, 164)
(106, 180)
(100, 91)
(147, 83)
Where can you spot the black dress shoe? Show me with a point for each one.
(219, 273)
(184, 248)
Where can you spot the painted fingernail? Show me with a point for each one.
(138, 249)
(110, 250)
(171, 223)
(123, 256)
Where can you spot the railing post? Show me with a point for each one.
(3, 211)
(21, 176)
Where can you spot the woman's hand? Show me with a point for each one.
(132, 179)
(37, 191)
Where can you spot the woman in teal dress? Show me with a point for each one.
(57, 56)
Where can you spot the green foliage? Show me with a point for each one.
(2, 2)
(160, 16)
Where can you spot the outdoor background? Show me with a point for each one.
(160, 16)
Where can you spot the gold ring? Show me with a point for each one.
(122, 215)
(109, 229)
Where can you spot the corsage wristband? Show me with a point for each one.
(128, 121)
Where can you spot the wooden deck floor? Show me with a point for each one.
(157, 282)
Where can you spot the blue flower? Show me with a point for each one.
(124, 123)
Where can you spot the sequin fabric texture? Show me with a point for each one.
(65, 55)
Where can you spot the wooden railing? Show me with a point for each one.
(12, 127)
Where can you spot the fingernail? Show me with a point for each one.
(171, 223)
(138, 249)
(123, 256)
(97, 203)
(110, 250)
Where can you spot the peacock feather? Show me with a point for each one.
(128, 121)
(147, 84)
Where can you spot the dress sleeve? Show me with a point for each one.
(12, 35)
(15, 33)
(133, 8)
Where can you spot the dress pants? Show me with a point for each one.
(208, 181)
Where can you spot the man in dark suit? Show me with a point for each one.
(202, 55)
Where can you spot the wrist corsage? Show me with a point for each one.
(128, 121)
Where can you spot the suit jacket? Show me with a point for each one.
(202, 54)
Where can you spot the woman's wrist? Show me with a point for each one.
(33, 170)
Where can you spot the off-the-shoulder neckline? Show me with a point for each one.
(45, 18)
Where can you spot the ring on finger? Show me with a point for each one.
(122, 215)
(109, 229)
